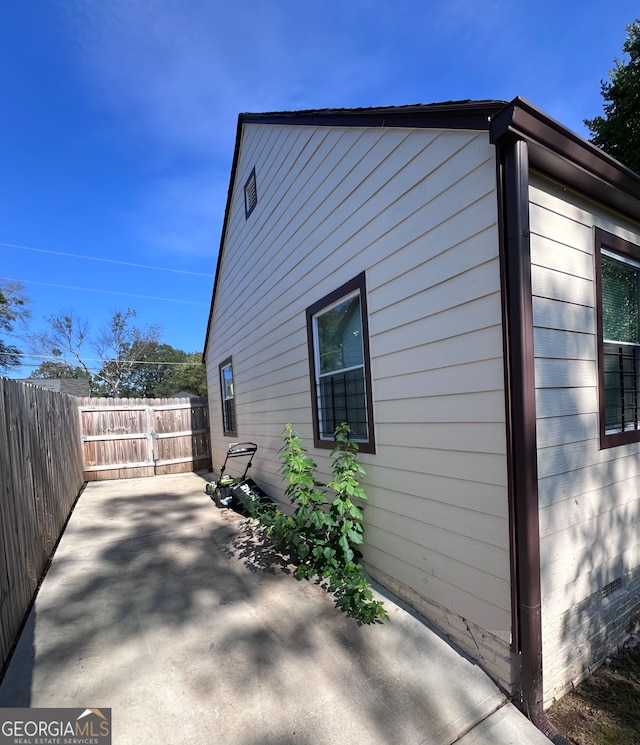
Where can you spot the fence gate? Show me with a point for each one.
(134, 437)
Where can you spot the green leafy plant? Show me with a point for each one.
(323, 534)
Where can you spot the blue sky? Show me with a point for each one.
(118, 119)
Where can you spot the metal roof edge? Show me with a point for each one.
(475, 114)
(568, 157)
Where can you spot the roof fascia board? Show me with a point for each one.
(564, 155)
(474, 116)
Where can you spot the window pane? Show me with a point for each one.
(229, 415)
(621, 387)
(340, 337)
(228, 402)
(227, 382)
(619, 301)
(613, 394)
(342, 399)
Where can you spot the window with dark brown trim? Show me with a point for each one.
(618, 319)
(338, 340)
(227, 396)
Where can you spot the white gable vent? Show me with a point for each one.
(250, 194)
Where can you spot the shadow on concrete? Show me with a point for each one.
(174, 614)
(15, 688)
(382, 670)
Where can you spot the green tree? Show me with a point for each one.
(165, 371)
(13, 311)
(122, 360)
(191, 376)
(150, 377)
(52, 369)
(108, 358)
(618, 131)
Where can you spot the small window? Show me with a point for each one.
(228, 398)
(618, 304)
(250, 194)
(338, 338)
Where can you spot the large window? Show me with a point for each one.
(338, 339)
(228, 398)
(618, 290)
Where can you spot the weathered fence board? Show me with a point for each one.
(40, 477)
(132, 437)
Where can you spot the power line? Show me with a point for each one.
(90, 368)
(101, 364)
(63, 361)
(105, 292)
(108, 261)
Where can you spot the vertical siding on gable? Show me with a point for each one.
(416, 210)
(589, 507)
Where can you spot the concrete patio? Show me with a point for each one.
(158, 606)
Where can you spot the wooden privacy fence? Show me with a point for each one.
(40, 478)
(134, 437)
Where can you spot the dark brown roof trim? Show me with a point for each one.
(567, 157)
(475, 115)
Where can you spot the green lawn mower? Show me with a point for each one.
(237, 492)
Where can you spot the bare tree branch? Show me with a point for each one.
(117, 346)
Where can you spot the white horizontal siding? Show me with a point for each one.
(478, 408)
(554, 285)
(589, 514)
(474, 597)
(565, 344)
(472, 437)
(559, 314)
(557, 430)
(454, 491)
(571, 484)
(473, 524)
(405, 331)
(417, 211)
(554, 402)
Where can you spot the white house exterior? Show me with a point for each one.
(440, 268)
(588, 494)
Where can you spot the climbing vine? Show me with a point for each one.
(324, 532)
